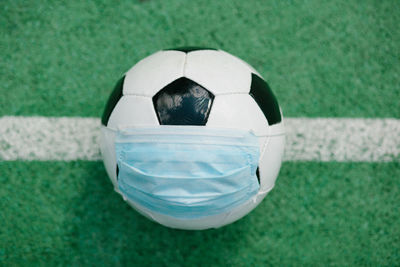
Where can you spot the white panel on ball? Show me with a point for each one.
(244, 209)
(218, 72)
(238, 111)
(244, 62)
(277, 129)
(154, 72)
(270, 162)
(133, 111)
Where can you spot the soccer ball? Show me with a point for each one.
(237, 98)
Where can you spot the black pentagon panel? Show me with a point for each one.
(188, 49)
(112, 101)
(265, 99)
(258, 174)
(183, 102)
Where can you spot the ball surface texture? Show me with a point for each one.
(182, 90)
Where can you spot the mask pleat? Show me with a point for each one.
(199, 173)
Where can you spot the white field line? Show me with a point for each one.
(318, 139)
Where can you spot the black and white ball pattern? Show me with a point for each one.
(203, 87)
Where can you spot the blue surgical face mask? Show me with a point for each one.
(187, 171)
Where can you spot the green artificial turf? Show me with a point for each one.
(318, 214)
(322, 58)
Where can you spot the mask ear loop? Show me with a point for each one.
(262, 151)
(265, 191)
